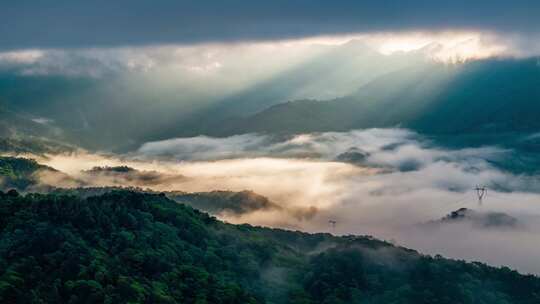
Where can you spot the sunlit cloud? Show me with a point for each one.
(21, 57)
(400, 181)
(446, 46)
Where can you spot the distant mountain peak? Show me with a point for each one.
(480, 219)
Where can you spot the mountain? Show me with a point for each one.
(33, 145)
(214, 202)
(127, 176)
(86, 109)
(24, 133)
(130, 247)
(478, 219)
(487, 96)
(217, 202)
(15, 124)
(86, 97)
(27, 175)
(491, 96)
(333, 72)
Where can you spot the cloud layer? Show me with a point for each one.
(395, 181)
(120, 23)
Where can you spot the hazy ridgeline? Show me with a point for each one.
(382, 182)
(277, 152)
(125, 247)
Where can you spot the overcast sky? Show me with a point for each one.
(60, 24)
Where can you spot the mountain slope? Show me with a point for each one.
(14, 124)
(496, 95)
(484, 96)
(27, 175)
(132, 247)
(85, 96)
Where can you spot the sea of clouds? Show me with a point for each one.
(382, 182)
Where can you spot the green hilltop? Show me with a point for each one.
(132, 247)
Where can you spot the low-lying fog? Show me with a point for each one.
(388, 183)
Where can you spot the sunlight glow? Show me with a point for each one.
(447, 46)
(22, 57)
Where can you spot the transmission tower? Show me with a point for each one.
(480, 193)
(332, 224)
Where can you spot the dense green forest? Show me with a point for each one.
(28, 175)
(214, 202)
(23, 174)
(132, 247)
(20, 173)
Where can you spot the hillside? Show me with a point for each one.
(28, 175)
(132, 247)
(214, 202)
(484, 97)
(478, 219)
(15, 124)
(489, 96)
(32, 145)
(21, 133)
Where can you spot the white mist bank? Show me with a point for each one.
(382, 182)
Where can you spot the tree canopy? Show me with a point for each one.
(133, 247)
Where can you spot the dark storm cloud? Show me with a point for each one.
(42, 24)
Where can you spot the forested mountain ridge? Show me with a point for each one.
(15, 124)
(27, 175)
(214, 202)
(129, 247)
(486, 96)
(33, 145)
(21, 173)
(22, 133)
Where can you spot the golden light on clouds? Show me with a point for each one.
(295, 182)
(447, 46)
